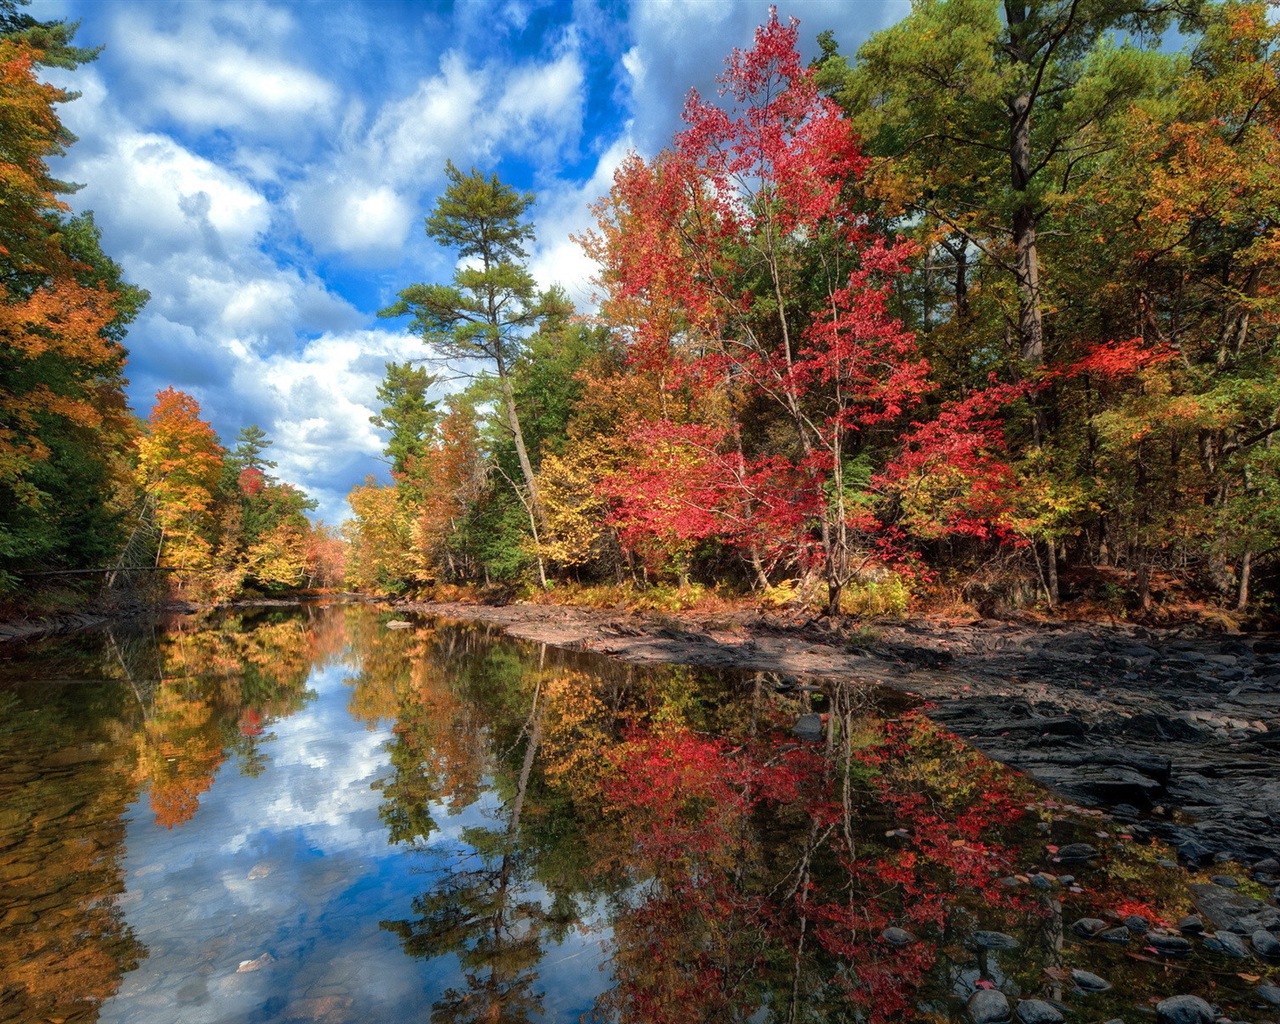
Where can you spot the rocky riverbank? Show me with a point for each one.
(1176, 731)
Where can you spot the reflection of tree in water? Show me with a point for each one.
(218, 691)
(739, 873)
(486, 915)
(471, 715)
(145, 706)
(764, 872)
(64, 784)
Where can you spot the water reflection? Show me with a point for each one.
(309, 816)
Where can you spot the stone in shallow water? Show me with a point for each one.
(256, 964)
(1184, 1010)
(808, 727)
(988, 1006)
(1231, 943)
(1232, 911)
(1266, 944)
(1087, 981)
(897, 936)
(1037, 1011)
(1169, 945)
(1075, 853)
(995, 940)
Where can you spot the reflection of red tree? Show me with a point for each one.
(724, 904)
(251, 722)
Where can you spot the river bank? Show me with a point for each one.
(1174, 730)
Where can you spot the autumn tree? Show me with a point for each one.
(982, 113)
(768, 291)
(64, 308)
(180, 465)
(492, 303)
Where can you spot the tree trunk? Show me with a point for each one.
(1242, 592)
(537, 521)
(1051, 574)
(1023, 227)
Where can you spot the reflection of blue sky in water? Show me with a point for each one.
(296, 863)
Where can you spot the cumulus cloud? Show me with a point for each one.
(223, 65)
(364, 200)
(563, 214)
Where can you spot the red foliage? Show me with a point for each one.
(252, 480)
(1113, 360)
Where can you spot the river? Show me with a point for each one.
(320, 814)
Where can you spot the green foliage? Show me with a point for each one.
(407, 415)
(251, 442)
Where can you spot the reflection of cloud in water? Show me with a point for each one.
(296, 863)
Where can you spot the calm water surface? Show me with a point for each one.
(307, 815)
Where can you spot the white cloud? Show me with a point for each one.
(223, 66)
(563, 214)
(380, 180)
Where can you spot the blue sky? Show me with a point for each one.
(263, 169)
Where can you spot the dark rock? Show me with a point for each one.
(1169, 945)
(1194, 851)
(1191, 924)
(1165, 728)
(1231, 944)
(1116, 935)
(994, 940)
(1088, 927)
(1270, 993)
(1232, 911)
(1266, 944)
(988, 1006)
(897, 937)
(1226, 881)
(1087, 981)
(808, 727)
(1137, 925)
(1075, 853)
(1269, 866)
(1037, 1011)
(1184, 1010)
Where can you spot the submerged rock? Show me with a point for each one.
(1087, 981)
(1088, 927)
(1075, 853)
(1037, 1011)
(1184, 1010)
(988, 1006)
(994, 940)
(808, 727)
(1231, 944)
(1266, 944)
(1169, 945)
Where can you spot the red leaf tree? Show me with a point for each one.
(739, 264)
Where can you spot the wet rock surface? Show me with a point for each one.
(1177, 731)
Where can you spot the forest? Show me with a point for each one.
(985, 310)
